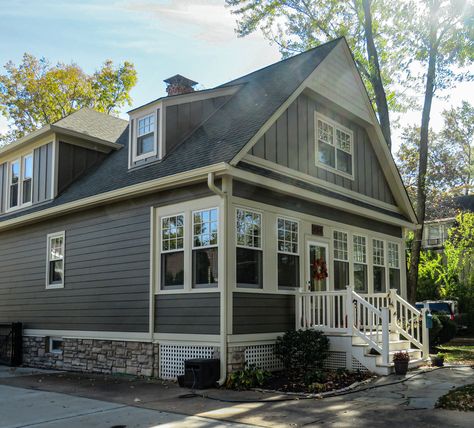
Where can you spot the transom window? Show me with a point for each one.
(172, 252)
(55, 259)
(145, 144)
(20, 181)
(205, 251)
(341, 260)
(287, 254)
(334, 146)
(249, 271)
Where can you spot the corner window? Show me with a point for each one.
(288, 254)
(341, 260)
(20, 182)
(249, 249)
(55, 260)
(378, 253)
(394, 266)
(334, 146)
(172, 252)
(205, 252)
(360, 263)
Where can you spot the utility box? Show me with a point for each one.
(200, 373)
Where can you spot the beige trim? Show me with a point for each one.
(135, 190)
(81, 334)
(272, 166)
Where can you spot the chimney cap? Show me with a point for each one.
(177, 79)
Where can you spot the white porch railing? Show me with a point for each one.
(372, 317)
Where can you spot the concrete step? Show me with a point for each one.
(415, 354)
(413, 364)
(392, 337)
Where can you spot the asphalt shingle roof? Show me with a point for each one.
(219, 139)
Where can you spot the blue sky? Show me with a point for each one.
(195, 38)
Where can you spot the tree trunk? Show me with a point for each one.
(375, 76)
(423, 161)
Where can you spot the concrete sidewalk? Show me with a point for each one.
(403, 404)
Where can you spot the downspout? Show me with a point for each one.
(223, 295)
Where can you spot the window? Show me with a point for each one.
(341, 260)
(334, 146)
(205, 253)
(249, 248)
(55, 259)
(145, 144)
(172, 252)
(20, 181)
(379, 265)
(288, 254)
(56, 345)
(360, 263)
(394, 266)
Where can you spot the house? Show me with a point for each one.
(208, 224)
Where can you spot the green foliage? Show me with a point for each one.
(315, 376)
(444, 329)
(36, 93)
(431, 276)
(302, 350)
(250, 377)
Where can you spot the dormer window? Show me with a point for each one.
(146, 136)
(27, 179)
(14, 183)
(20, 182)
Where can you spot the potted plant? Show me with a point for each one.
(437, 360)
(401, 360)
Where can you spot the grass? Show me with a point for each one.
(458, 399)
(457, 354)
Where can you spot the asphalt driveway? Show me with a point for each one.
(106, 401)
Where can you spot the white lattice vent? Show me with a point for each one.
(172, 358)
(357, 365)
(336, 360)
(263, 357)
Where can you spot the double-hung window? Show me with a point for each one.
(394, 265)
(145, 144)
(205, 253)
(172, 252)
(360, 262)
(55, 260)
(27, 179)
(249, 249)
(378, 252)
(341, 260)
(21, 181)
(288, 253)
(14, 200)
(334, 146)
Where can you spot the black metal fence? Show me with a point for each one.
(11, 344)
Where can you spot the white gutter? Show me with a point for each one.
(223, 274)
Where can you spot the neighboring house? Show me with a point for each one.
(208, 224)
(435, 231)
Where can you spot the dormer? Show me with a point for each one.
(40, 166)
(158, 127)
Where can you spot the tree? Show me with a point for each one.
(298, 25)
(36, 93)
(437, 36)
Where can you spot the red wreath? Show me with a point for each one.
(320, 269)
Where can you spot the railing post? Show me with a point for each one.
(349, 310)
(385, 335)
(393, 308)
(425, 334)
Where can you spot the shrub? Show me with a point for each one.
(315, 376)
(444, 329)
(250, 377)
(302, 350)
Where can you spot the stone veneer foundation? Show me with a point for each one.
(93, 356)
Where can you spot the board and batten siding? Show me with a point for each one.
(3, 186)
(187, 313)
(290, 142)
(262, 313)
(107, 262)
(42, 173)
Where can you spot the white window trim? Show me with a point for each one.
(156, 113)
(366, 263)
(203, 247)
(398, 255)
(279, 217)
(335, 125)
(252, 210)
(348, 236)
(162, 251)
(50, 236)
(50, 346)
(20, 161)
(384, 245)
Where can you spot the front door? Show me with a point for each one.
(316, 266)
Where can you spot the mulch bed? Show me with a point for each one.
(458, 399)
(335, 379)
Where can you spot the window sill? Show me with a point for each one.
(54, 286)
(335, 171)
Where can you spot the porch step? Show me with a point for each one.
(415, 354)
(394, 345)
(413, 364)
(393, 337)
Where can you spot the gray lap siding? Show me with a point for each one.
(107, 262)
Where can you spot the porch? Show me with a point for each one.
(375, 325)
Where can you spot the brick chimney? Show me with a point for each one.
(178, 85)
